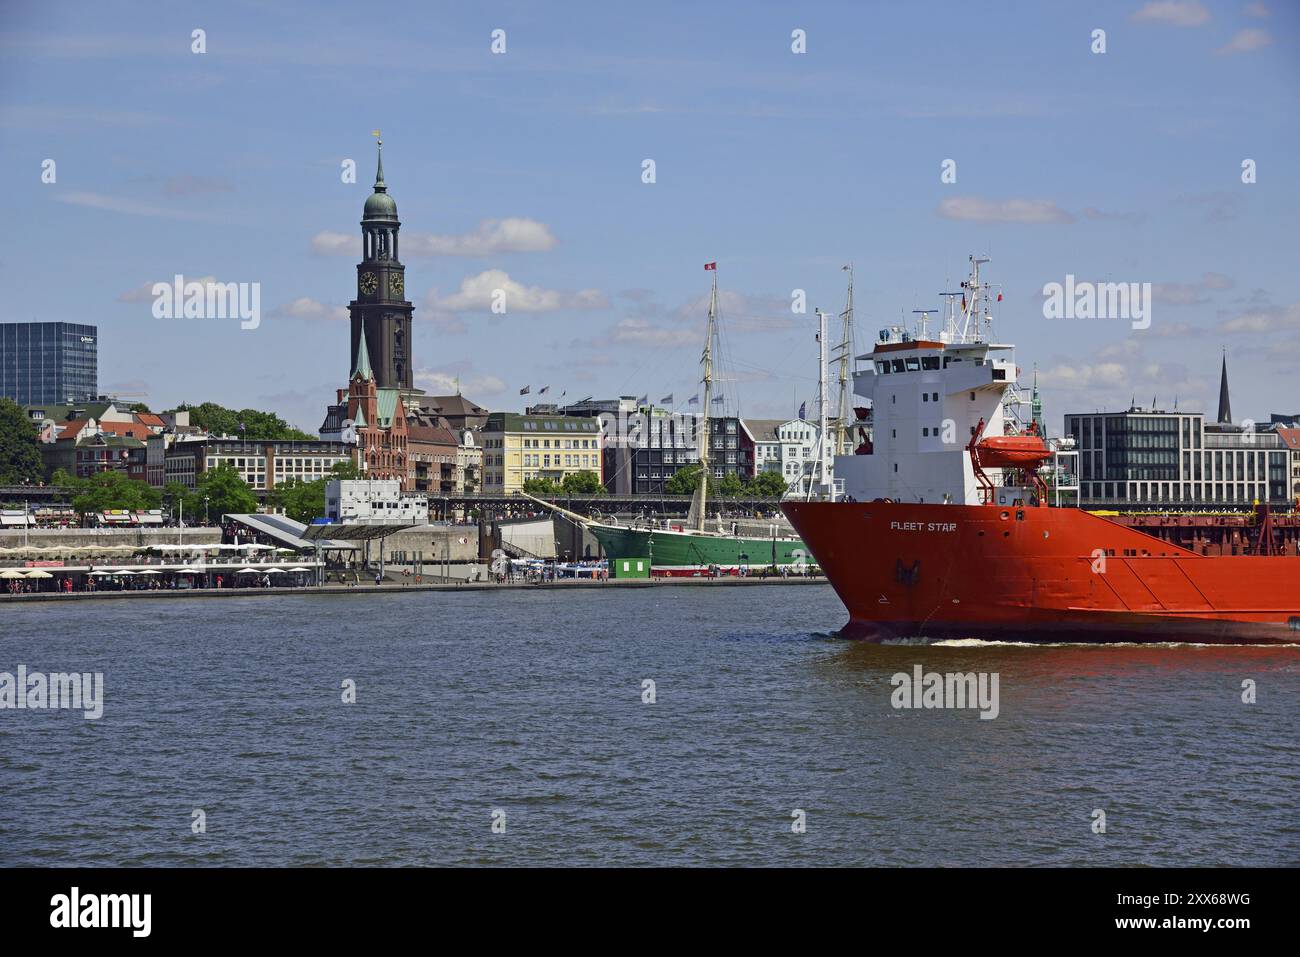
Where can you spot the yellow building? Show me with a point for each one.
(517, 448)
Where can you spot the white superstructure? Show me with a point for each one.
(929, 395)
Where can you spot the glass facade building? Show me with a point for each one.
(1148, 460)
(48, 363)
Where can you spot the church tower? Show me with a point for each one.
(381, 312)
(1225, 404)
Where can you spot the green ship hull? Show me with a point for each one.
(693, 553)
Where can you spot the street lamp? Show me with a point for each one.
(205, 511)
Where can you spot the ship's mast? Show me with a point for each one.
(824, 447)
(707, 361)
(844, 356)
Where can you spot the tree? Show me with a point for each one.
(582, 483)
(256, 425)
(541, 487)
(303, 501)
(684, 481)
(730, 485)
(767, 484)
(178, 500)
(110, 490)
(226, 492)
(20, 452)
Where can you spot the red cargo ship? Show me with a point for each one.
(944, 528)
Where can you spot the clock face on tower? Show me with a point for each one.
(395, 283)
(368, 283)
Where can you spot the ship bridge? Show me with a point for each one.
(930, 394)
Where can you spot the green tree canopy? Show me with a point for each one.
(684, 481)
(20, 452)
(541, 487)
(767, 484)
(729, 485)
(582, 483)
(226, 493)
(257, 425)
(303, 501)
(108, 490)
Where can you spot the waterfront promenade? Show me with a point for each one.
(402, 588)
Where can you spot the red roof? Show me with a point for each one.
(70, 430)
(1290, 438)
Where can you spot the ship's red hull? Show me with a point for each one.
(1038, 574)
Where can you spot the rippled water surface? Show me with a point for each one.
(531, 703)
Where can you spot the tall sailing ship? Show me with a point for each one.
(698, 545)
(945, 528)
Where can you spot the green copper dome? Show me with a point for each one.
(379, 205)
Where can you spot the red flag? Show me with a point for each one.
(999, 297)
(713, 266)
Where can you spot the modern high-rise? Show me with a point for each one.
(51, 363)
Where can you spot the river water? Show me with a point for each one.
(525, 708)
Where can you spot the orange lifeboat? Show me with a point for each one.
(1013, 451)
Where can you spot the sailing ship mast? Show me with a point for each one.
(698, 507)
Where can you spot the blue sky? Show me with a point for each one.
(523, 171)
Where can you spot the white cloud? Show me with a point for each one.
(1190, 293)
(306, 308)
(1179, 13)
(336, 244)
(514, 234)
(977, 209)
(1245, 42)
(144, 291)
(743, 313)
(115, 204)
(479, 293)
(1084, 375)
(441, 382)
(642, 333)
(1258, 10)
(1268, 319)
